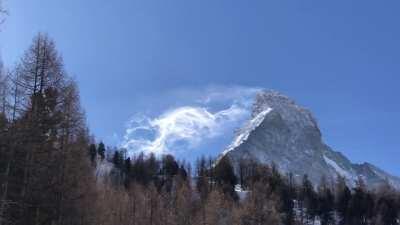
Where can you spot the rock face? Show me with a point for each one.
(286, 134)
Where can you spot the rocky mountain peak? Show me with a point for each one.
(270, 99)
(286, 134)
(294, 115)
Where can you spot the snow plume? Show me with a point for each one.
(214, 111)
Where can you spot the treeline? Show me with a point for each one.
(161, 190)
(331, 202)
(212, 194)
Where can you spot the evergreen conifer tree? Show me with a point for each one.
(92, 152)
(101, 150)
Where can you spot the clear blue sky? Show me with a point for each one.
(340, 58)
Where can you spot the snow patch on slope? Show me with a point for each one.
(245, 132)
(103, 168)
(339, 169)
(241, 192)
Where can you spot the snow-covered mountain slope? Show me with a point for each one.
(288, 135)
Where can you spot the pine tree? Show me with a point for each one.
(386, 210)
(127, 171)
(170, 167)
(287, 196)
(152, 168)
(202, 180)
(358, 208)
(92, 152)
(139, 170)
(117, 160)
(127, 165)
(101, 150)
(343, 198)
(169, 170)
(310, 199)
(225, 177)
(325, 203)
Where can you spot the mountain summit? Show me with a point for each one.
(286, 134)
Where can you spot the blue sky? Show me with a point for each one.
(338, 58)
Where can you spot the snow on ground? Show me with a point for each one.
(103, 168)
(339, 169)
(240, 192)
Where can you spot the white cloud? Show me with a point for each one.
(185, 127)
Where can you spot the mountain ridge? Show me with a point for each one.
(286, 134)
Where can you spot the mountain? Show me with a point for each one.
(286, 134)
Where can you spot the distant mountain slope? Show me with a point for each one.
(286, 134)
